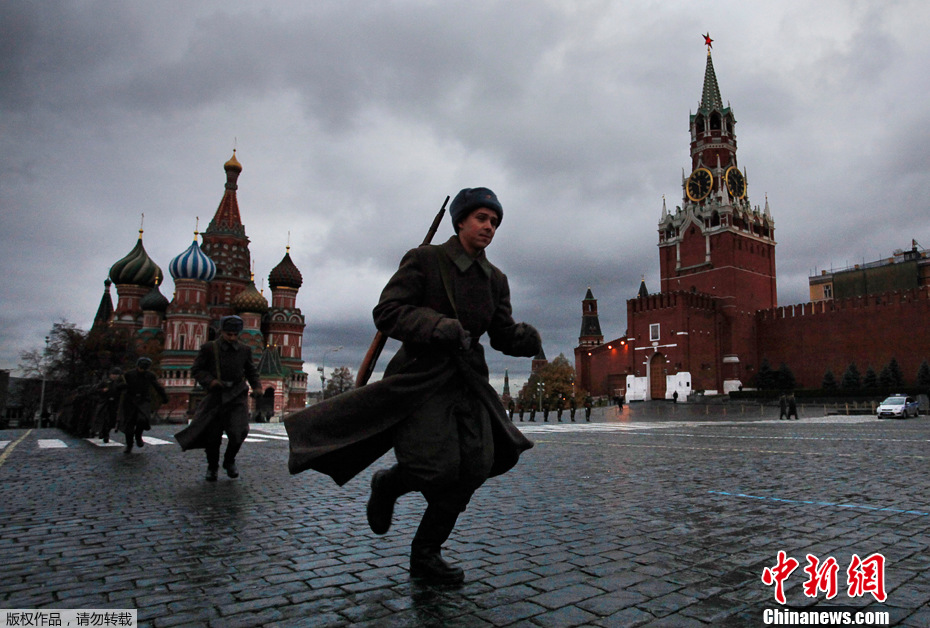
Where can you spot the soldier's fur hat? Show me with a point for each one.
(231, 323)
(470, 199)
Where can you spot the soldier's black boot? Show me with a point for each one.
(211, 474)
(128, 449)
(426, 562)
(231, 469)
(386, 486)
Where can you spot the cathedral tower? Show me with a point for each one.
(226, 244)
(134, 275)
(187, 323)
(286, 326)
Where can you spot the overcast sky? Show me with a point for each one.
(354, 120)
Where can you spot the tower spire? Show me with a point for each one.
(710, 98)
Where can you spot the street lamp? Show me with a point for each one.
(322, 370)
(44, 377)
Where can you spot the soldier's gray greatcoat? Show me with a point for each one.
(343, 435)
(233, 365)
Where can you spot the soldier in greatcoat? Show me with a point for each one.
(446, 423)
(135, 410)
(108, 394)
(224, 367)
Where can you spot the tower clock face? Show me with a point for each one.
(736, 183)
(699, 184)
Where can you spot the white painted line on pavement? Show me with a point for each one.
(99, 443)
(267, 436)
(51, 443)
(151, 440)
(4, 443)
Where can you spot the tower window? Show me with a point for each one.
(654, 331)
(715, 121)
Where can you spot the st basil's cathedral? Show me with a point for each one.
(211, 280)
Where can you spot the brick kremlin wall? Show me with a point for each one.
(812, 338)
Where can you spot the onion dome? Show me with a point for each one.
(250, 300)
(154, 301)
(193, 264)
(137, 268)
(285, 274)
(233, 164)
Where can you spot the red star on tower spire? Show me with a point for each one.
(708, 41)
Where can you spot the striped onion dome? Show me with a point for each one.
(137, 268)
(285, 274)
(193, 264)
(154, 301)
(250, 300)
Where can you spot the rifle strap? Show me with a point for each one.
(216, 355)
(445, 273)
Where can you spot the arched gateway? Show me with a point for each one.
(657, 385)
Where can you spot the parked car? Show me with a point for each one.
(898, 407)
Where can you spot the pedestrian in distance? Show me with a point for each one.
(224, 367)
(434, 406)
(521, 412)
(587, 409)
(792, 407)
(510, 408)
(533, 412)
(783, 407)
(135, 408)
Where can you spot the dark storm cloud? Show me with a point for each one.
(354, 120)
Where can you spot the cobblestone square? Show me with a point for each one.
(663, 516)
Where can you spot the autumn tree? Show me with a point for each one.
(554, 382)
(339, 382)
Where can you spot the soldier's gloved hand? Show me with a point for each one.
(526, 340)
(449, 332)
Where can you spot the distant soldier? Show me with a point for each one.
(783, 407)
(546, 411)
(135, 409)
(108, 394)
(573, 406)
(224, 367)
(587, 409)
(510, 408)
(560, 408)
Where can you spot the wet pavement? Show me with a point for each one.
(662, 516)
